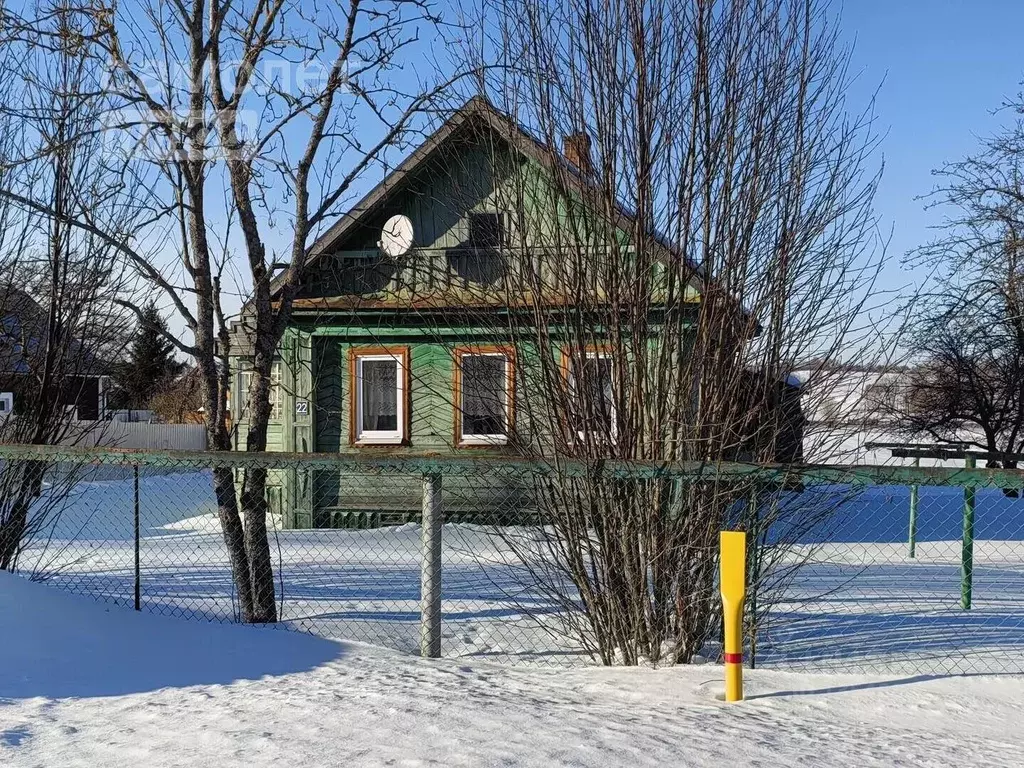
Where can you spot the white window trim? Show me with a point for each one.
(471, 439)
(379, 436)
(275, 394)
(593, 355)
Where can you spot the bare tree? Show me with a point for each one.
(61, 327)
(708, 222)
(284, 108)
(178, 400)
(969, 386)
(966, 387)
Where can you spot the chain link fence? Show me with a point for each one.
(916, 571)
(890, 569)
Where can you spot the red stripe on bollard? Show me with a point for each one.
(733, 658)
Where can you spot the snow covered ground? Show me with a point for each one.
(861, 604)
(87, 684)
(356, 584)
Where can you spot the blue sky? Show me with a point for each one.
(944, 66)
(940, 69)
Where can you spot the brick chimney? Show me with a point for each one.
(576, 148)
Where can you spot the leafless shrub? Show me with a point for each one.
(706, 223)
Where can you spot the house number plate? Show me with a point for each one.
(302, 406)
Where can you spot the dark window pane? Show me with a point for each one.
(484, 396)
(82, 392)
(379, 384)
(594, 390)
(486, 230)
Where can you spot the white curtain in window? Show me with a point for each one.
(379, 382)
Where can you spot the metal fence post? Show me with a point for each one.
(913, 514)
(138, 569)
(430, 568)
(967, 545)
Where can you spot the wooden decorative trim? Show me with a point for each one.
(401, 353)
(510, 389)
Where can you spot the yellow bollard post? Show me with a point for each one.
(733, 558)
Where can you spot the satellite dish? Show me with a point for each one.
(396, 236)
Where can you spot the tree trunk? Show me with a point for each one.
(27, 484)
(254, 493)
(224, 490)
(234, 540)
(261, 572)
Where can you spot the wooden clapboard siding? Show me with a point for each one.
(438, 199)
(431, 396)
(329, 392)
(430, 392)
(365, 498)
(442, 271)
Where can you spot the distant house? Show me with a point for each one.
(83, 381)
(383, 354)
(849, 407)
(851, 395)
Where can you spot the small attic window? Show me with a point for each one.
(486, 230)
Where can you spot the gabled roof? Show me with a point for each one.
(23, 337)
(479, 110)
(21, 322)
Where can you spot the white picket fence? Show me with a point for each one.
(135, 434)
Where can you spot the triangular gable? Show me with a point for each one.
(481, 110)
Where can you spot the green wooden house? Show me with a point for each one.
(384, 353)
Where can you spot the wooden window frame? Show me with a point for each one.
(401, 356)
(599, 351)
(484, 441)
(276, 393)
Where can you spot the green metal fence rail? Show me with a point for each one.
(462, 464)
(894, 568)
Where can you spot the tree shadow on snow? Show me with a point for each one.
(990, 641)
(879, 514)
(845, 688)
(57, 646)
(873, 684)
